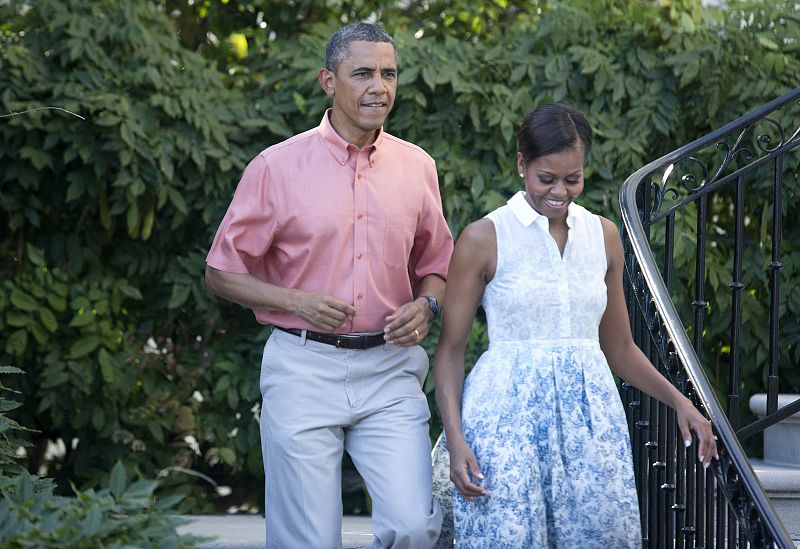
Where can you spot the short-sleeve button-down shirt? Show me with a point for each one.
(318, 214)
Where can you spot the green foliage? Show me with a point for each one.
(102, 299)
(9, 439)
(121, 515)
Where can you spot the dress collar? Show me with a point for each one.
(526, 215)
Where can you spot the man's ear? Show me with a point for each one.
(327, 80)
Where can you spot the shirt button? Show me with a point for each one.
(359, 176)
(360, 296)
(360, 255)
(360, 216)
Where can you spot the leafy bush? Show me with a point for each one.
(102, 299)
(122, 515)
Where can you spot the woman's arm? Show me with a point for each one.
(471, 268)
(628, 361)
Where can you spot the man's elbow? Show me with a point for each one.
(212, 280)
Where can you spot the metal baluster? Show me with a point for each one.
(710, 499)
(699, 302)
(775, 266)
(669, 487)
(720, 515)
(736, 287)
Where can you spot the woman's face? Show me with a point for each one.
(553, 181)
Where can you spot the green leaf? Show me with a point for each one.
(17, 319)
(84, 345)
(35, 255)
(39, 333)
(81, 319)
(17, 342)
(107, 367)
(130, 291)
(141, 489)
(118, 480)
(24, 487)
(91, 524)
(227, 455)
(48, 319)
(767, 42)
(22, 300)
(179, 295)
(177, 200)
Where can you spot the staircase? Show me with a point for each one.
(670, 212)
(779, 470)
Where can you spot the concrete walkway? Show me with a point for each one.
(247, 531)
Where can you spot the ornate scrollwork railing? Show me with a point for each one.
(682, 504)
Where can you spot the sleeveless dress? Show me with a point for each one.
(540, 409)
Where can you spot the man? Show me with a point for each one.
(336, 237)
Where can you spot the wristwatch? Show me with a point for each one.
(433, 304)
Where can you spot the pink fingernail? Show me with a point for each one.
(703, 459)
(687, 442)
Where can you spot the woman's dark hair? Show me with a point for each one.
(553, 128)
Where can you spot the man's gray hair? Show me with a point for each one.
(339, 43)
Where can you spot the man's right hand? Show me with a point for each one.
(324, 312)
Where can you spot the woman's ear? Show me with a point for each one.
(520, 164)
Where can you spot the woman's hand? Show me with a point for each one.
(690, 419)
(463, 469)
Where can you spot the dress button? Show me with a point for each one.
(360, 216)
(360, 296)
(359, 176)
(360, 255)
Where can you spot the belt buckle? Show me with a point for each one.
(338, 342)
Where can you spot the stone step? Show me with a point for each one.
(247, 531)
(782, 485)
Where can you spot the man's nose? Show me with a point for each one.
(377, 84)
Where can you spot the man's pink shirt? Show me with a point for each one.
(317, 214)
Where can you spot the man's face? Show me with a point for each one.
(363, 89)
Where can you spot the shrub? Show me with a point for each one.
(102, 299)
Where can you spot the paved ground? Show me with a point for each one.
(247, 531)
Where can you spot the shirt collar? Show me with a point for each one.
(526, 215)
(340, 148)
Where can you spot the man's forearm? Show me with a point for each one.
(245, 289)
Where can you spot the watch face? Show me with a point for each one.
(433, 304)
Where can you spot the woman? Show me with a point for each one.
(539, 452)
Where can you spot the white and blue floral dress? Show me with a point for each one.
(540, 408)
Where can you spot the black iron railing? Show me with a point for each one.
(665, 206)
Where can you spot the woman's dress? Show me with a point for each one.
(540, 408)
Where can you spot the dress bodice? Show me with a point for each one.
(536, 293)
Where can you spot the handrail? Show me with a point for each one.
(731, 452)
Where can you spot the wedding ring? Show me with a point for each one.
(416, 332)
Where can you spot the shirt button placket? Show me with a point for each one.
(360, 239)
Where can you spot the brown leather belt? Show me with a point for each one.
(341, 341)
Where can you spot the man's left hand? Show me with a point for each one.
(408, 325)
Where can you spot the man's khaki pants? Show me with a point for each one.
(318, 401)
